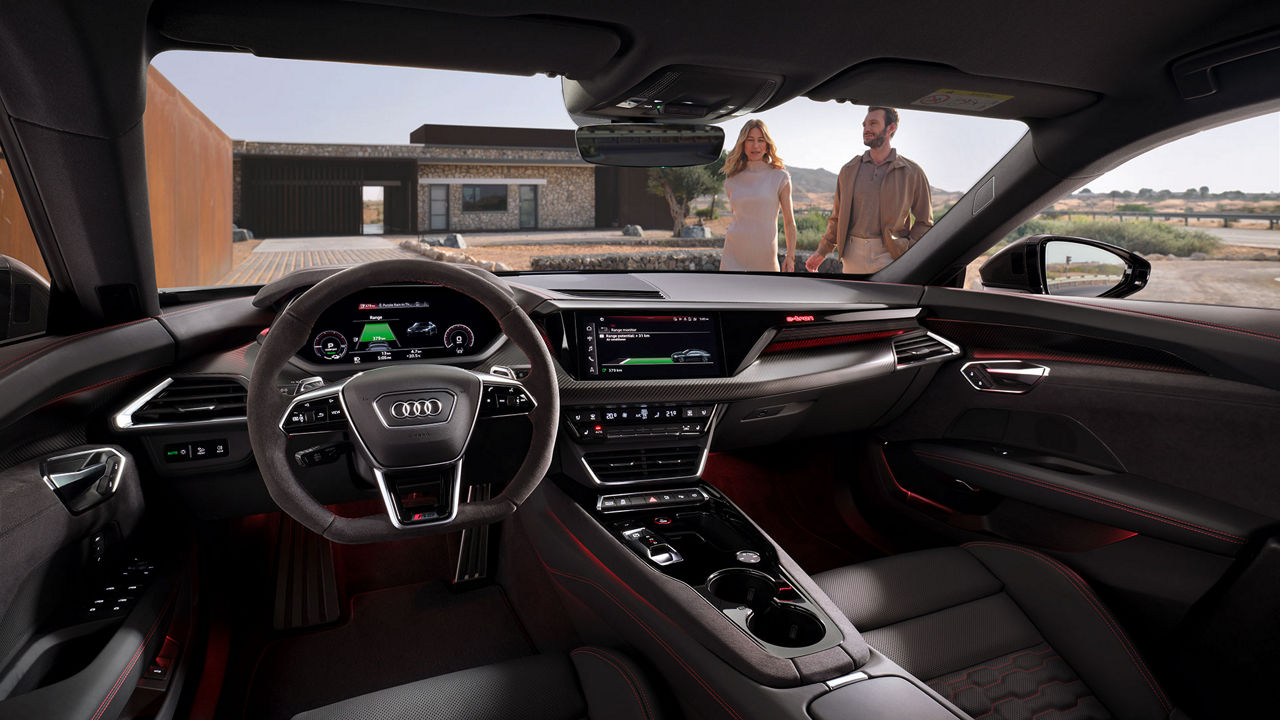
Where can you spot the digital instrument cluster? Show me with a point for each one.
(388, 323)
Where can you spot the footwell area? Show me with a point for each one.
(792, 493)
(394, 636)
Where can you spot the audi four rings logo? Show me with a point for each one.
(406, 409)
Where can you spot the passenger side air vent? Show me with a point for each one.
(644, 464)
(614, 294)
(186, 401)
(922, 348)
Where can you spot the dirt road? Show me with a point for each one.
(1243, 283)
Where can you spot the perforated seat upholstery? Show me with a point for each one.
(592, 683)
(1001, 631)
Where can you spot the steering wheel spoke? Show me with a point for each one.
(420, 496)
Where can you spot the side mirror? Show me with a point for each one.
(1060, 265)
(24, 300)
(650, 144)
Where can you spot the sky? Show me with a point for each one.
(265, 99)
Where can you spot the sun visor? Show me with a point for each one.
(385, 35)
(925, 86)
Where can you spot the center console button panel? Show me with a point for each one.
(656, 499)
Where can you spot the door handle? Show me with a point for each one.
(84, 479)
(1004, 376)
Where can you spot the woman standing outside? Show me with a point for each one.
(757, 186)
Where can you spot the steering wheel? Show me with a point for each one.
(410, 424)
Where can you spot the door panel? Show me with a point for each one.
(1145, 458)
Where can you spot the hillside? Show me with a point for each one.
(817, 189)
(805, 181)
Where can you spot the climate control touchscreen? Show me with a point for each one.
(633, 347)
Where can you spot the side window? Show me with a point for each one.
(1204, 210)
(24, 280)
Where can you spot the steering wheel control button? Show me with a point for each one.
(499, 400)
(319, 455)
(316, 415)
(750, 557)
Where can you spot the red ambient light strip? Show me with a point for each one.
(808, 343)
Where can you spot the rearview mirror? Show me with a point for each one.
(1070, 266)
(650, 144)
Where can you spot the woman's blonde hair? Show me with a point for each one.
(736, 161)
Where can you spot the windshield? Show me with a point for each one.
(259, 167)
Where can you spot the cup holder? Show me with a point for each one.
(751, 588)
(786, 626)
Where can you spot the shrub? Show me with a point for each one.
(707, 213)
(810, 226)
(1141, 237)
(1134, 207)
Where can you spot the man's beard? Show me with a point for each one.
(876, 141)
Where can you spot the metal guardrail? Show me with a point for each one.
(1186, 217)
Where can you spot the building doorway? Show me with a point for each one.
(438, 210)
(528, 206)
(373, 210)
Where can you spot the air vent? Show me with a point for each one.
(644, 464)
(190, 400)
(919, 349)
(621, 294)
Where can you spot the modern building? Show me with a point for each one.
(449, 179)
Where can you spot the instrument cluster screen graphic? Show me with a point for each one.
(400, 323)
(630, 347)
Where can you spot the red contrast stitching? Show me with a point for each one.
(999, 679)
(1086, 592)
(1201, 323)
(626, 675)
(1010, 661)
(98, 385)
(1118, 505)
(64, 341)
(201, 306)
(124, 674)
(1037, 693)
(657, 638)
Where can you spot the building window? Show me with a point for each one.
(484, 198)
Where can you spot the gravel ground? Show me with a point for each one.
(518, 256)
(1242, 283)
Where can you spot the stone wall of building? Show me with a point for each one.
(672, 260)
(567, 200)
(441, 153)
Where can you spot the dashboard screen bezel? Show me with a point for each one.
(580, 319)
(485, 329)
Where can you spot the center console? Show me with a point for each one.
(696, 536)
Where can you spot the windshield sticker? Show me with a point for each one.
(962, 100)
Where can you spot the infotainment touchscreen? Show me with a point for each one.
(634, 347)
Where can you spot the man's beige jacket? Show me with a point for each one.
(904, 193)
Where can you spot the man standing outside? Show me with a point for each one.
(882, 205)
